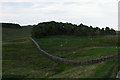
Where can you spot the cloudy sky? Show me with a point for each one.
(98, 13)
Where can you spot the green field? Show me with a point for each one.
(15, 33)
(21, 58)
(79, 48)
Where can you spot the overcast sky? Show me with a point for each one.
(98, 13)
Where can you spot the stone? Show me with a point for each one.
(118, 75)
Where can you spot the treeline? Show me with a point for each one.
(10, 25)
(59, 28)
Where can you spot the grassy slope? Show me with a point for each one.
(22, 59)
(79, 48)
(15, 33)
(102, 70)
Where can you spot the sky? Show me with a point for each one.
(98, 13)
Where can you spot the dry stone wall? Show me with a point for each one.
(73, 62)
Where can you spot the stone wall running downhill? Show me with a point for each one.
(73, 62)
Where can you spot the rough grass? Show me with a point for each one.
(15, 33)
(79, 48)
(21, 58)
(103, 70)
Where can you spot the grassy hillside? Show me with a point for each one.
(79, 48)
(27, 61)
(22, 59)
(15, 33)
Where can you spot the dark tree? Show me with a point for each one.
(59, 28)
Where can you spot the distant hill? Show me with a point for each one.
(12, 31)
(10, 25)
